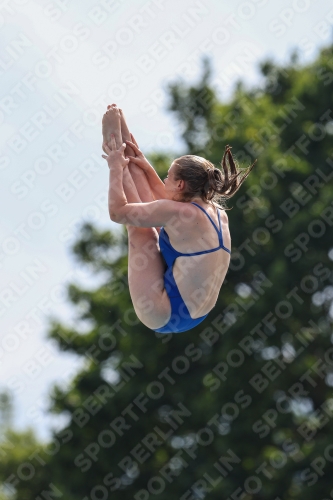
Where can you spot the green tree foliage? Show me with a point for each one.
(21, 474)
(241, 406)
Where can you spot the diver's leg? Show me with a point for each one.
(145, 268)
(145, 262)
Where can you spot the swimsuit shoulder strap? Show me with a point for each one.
(219, 232)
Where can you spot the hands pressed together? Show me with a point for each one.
(118, 158)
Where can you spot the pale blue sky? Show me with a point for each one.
(61, 63)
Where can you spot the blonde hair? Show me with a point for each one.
(203, 179)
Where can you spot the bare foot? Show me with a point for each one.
(111, 125)
(125, 133)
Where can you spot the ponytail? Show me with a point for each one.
(228, 184)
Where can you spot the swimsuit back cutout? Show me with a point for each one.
(170, 254)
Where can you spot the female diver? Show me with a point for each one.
(178, 236)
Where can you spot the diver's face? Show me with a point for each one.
(172, 187)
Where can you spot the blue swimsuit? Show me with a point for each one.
(181, 320)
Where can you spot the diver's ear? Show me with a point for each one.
(181, 184)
